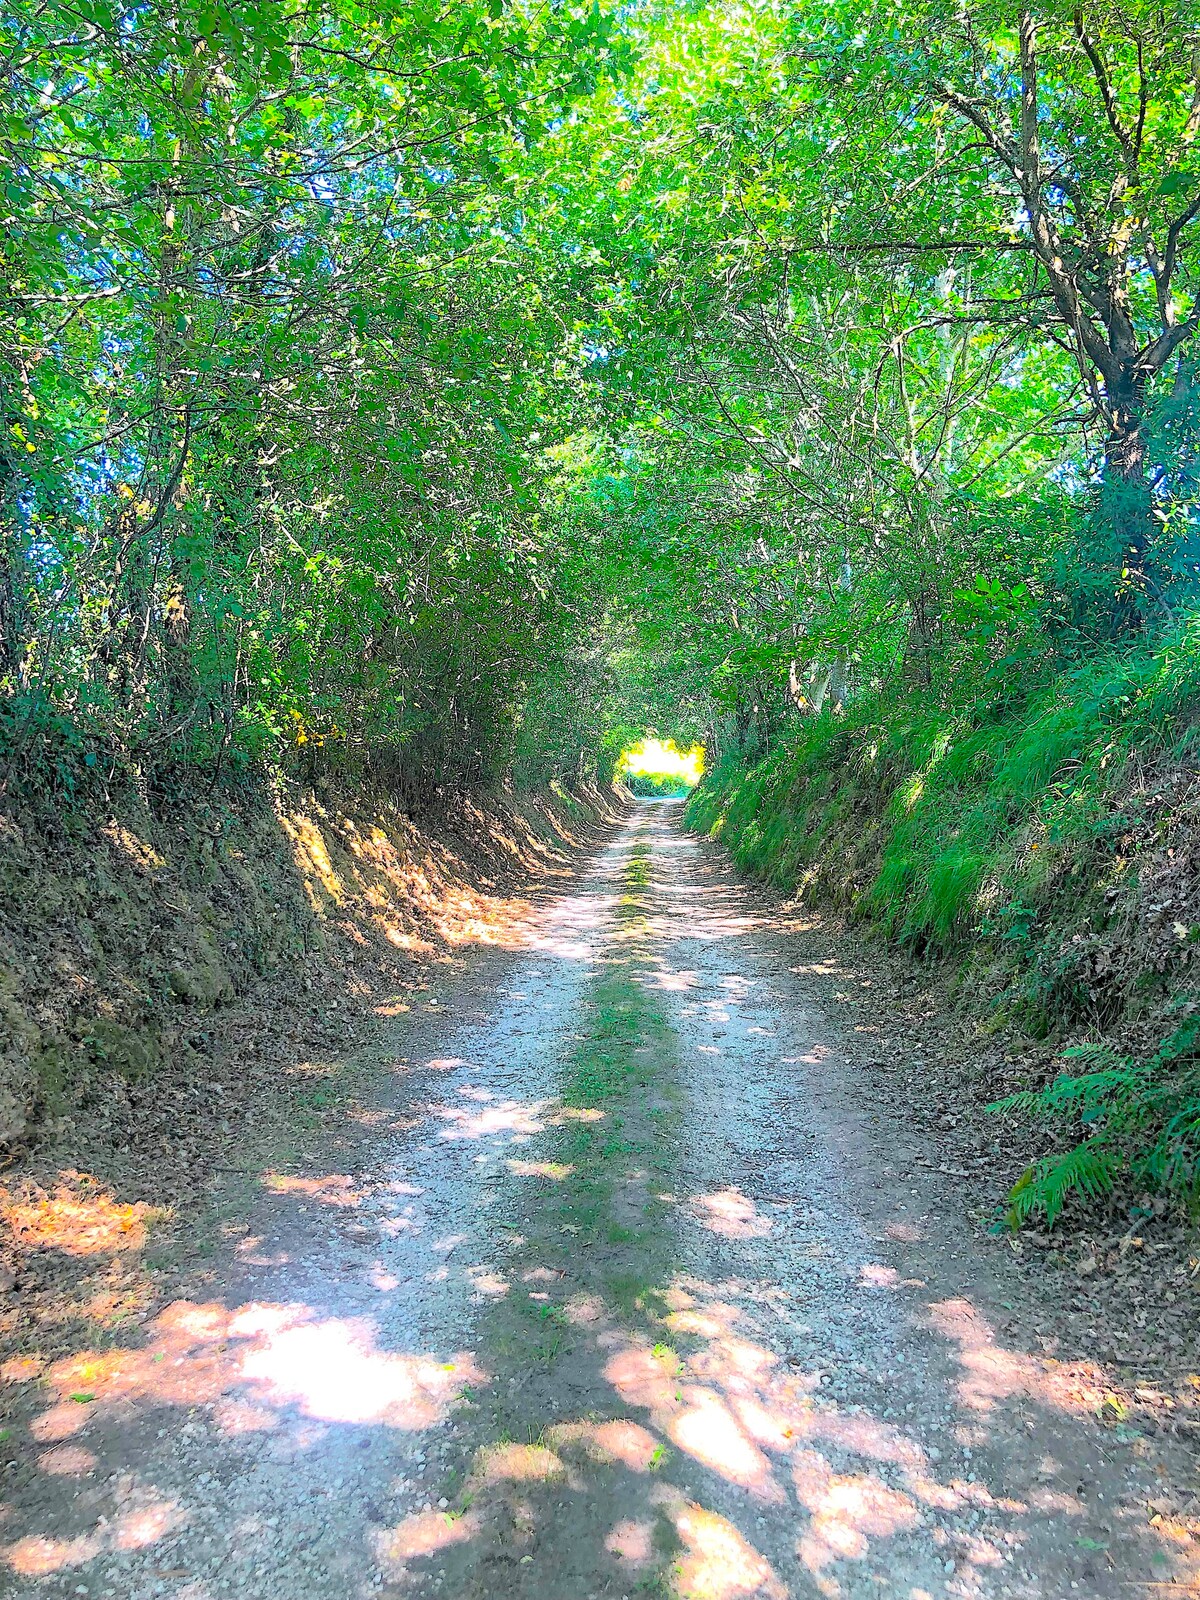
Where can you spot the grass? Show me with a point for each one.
(942, 822)
(595, 1236)
(1002, 826)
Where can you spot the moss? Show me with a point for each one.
(132, 1052)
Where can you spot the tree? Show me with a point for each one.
(1068, 141)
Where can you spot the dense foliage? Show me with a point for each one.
(271, 352)
(466, 392)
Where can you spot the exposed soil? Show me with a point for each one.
(1121, 1284)
(140, 948)
(613, 1264)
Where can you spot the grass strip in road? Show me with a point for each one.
(592, 1250)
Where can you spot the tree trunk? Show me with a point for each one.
(12, 631)
(919, 648)
(1126, 505)
(10, 624)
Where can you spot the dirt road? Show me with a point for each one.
(631, 1289)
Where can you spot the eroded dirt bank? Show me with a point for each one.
(131, 934)
(619, 1276)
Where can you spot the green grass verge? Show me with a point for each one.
(1005, 831)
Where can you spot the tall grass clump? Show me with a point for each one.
(1003, 831)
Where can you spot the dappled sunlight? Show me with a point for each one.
(555, 1170)
(421, 1535)
(312, 857)
(642, 1377)
(873, 1275)
(904, 1232)
(990, 1373)
(711, 1434)
(81, 1217)
(584, 1310)
(68, 1461)
(718, 1561)
(508, 1117)
(616, 1441)
(38, 1556)
(334, 1189)
(846, 1511)
(632, 1543)
(652, 1395)
(718, 1405)
(671, 982)
(235, 1416)
(517, 1463)
(488, 1282)
(419, 896)
(575, 1114)
(729, 1213)
(253, 1361)
(251, 1250)
(143, 855)
(733, 1408)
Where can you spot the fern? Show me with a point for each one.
(1084, 1094)
(1141, 1121)
(1089, 1170)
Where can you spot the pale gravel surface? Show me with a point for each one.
(843, 1421)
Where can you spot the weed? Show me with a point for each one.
(1141, 1122)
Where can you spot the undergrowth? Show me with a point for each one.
(656, 785)
(1141, 1125)
(1006, 832)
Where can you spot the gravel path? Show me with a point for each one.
(707, 1330)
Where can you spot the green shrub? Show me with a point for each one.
(655, 785)
(1141, 1123)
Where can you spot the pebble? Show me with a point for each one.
(843, 1364)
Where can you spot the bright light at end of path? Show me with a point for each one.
(661, 758)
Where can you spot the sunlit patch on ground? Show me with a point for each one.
(719, 1562)
(421, 1535)
(334, 1189)
(990, 1373)
(618, 1440)
(68, 1461)
(518, 1463)
(846, 1511)
(38, 1556)
(81, 1218)
(510, 1117)
(252, 1362)
(331, 1370)
(555, 1170)
(632, 1543)
(730, 1213)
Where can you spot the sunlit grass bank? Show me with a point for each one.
(657, 768)
(1045, 838)
(943, 822)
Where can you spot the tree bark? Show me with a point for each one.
(1126, 488)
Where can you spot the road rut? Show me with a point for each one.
(632, 1288)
